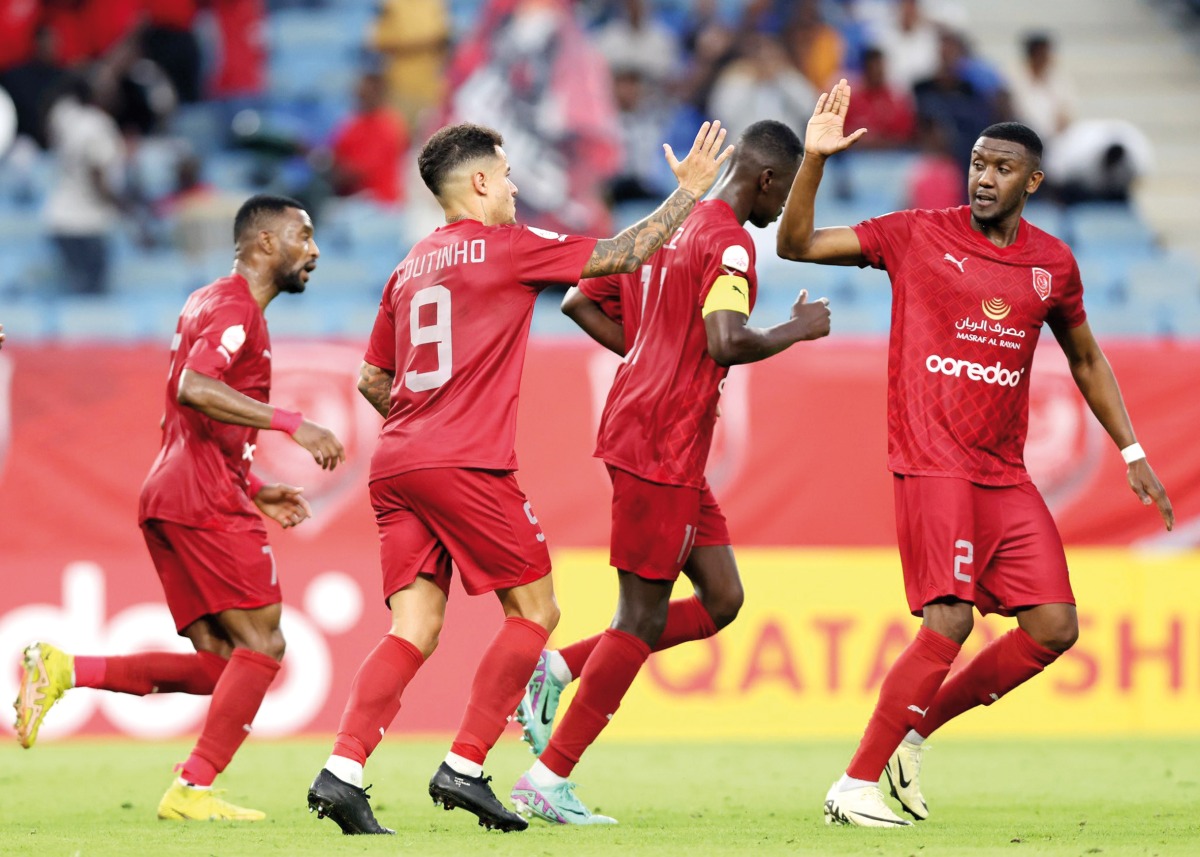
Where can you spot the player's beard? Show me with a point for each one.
(292, 282)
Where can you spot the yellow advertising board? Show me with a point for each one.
(820, 627)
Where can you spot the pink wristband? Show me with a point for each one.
(286, 421)
(253, 484)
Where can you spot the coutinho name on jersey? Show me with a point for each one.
(464, 252)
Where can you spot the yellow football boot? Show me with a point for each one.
(185, 803)
(46, 674)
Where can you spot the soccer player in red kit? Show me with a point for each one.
(688, 314)
(971, 288)
(200, 514)
(444, 367)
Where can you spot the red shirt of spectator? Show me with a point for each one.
(171, 14)
(243, 51)
(87, 30)
(887, 113)
(18, 23)
(368, 146)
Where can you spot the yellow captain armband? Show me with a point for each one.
(728, 292)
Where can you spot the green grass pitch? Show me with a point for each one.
(1112, 797)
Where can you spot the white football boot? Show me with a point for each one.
(861, 807)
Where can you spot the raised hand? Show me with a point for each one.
(826, 129)
(814, 316)
(283, 504)
(324, 446)
(699, 169)
(1149, 490)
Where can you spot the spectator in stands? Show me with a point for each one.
(19, 24)
(887, 112)
(762, 83)
(642, 130)
(937, 179)
(168, 40)
(950, 100)
(86, 30)
(909, 40)
(198, 214)
(368, 146)
(815, 47)
(636, 43)
(84, 203)
(1098, 160)
(710, 45)
(240, 72)
(530, 72)
(414, 36)
(31, 81)
(1042, 96)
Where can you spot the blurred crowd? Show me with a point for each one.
(584, 92)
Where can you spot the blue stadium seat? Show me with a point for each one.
(1047, 217)
(1108, 225)
(167, 274)
(878, 180)
(29, 321)
(1171, 277)
(1125, 320)
(100, 319)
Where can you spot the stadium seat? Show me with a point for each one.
(29, 321)
(101, 319)
(1171, 277)
(1124, 320)
(1047, 217)
(1107, 225)
(878, 180)
(168, 274)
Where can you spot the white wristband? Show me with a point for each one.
(1132, 453)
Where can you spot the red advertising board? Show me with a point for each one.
(799, 461)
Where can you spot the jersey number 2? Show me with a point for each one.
(965, 558)
(437, 334)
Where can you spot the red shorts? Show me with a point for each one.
(995, 547)
(655, 527)
(204, 572)
(480, 519)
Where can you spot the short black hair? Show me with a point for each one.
(1015, 132)
(259, 208)
(452, 146)
(772, 143)
(1036, 41)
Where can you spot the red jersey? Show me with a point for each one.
(619, 297)
(453, 325)
(199, 477)
(966, 316)
(658, 421)
(371, 145)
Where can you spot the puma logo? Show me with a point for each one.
(920, 711)
(956, 262)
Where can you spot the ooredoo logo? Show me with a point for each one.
(996, 374)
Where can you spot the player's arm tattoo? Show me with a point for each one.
(633, 246)
(375, 384)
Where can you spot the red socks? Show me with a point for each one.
(375, 697)
(607, 676)
(499, 685)
(236, 699)
(904, 698)
(1005, 663)
(151, 672)
(686, 620)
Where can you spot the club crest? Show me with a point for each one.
(1041, 282)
